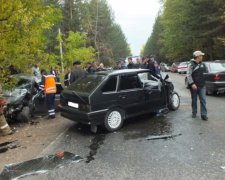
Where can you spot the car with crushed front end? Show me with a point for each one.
(214, 78)
(110, 97)
(25, 99)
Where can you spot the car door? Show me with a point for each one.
(154, 92)
(130, 94)
(40, 101)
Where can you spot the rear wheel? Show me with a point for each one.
(114, 119)
(174, 101)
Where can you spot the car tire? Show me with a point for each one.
(114, 119)
(174, 101)
(25, 115)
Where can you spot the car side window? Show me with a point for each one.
(110, 85)
(129, 81)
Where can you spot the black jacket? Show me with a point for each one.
(195, 73)
(130, 66)
(76, 74)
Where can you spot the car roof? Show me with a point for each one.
(24, 76)
(216, 61)
(27, 76)
(122, 71)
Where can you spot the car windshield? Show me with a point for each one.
(21, 83)
(217, 67)
(87, 84)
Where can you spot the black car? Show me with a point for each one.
(26, 99)
(108, 98)
(214, 78)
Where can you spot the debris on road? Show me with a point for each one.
(163, 137)
(39, 166)
(8, 145)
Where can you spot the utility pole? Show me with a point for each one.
(96, 29)
(61, 52)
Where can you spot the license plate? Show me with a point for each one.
(75, 105)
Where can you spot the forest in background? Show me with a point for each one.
(35, 32)
(183, 26)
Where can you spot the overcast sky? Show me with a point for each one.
(136, 18)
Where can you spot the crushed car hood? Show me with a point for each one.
(14, 96)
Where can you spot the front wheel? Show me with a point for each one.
(114, 119)
(174, 101)
(25, 115)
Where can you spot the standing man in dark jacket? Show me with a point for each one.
(196, 81)
(130, 63)
(77, 72)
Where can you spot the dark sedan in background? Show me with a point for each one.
(215, 77)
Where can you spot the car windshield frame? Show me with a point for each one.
(87, 84)
(21, 82)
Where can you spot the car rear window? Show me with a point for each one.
(217, 67)
(87, 84)
(110, 85)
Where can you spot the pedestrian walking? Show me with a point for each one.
(196, 81)
(153, 66)
(90, 68)
(48, 83)
(77, 72)
(67, 78)
(4, 127)
(101, 67)
(138, 65)
(36, 71)
(144, 64)
(130, 63)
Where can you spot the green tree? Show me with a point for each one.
(188, 25)
(153, 44)
(75, 47)
(23, 23)
(118, 43)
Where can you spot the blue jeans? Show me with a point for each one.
(201, 93)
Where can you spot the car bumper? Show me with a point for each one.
(215, 86)
(91, 118)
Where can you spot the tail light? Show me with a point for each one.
(216, 77)
(85, 107)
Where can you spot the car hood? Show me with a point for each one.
(14, 96)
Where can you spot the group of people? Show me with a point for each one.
(77, 71)
(148, 62)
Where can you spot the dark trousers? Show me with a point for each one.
(50, 100)
(201, 93)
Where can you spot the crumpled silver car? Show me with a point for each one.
(26, 99)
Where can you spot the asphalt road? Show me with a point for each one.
(197, 152)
